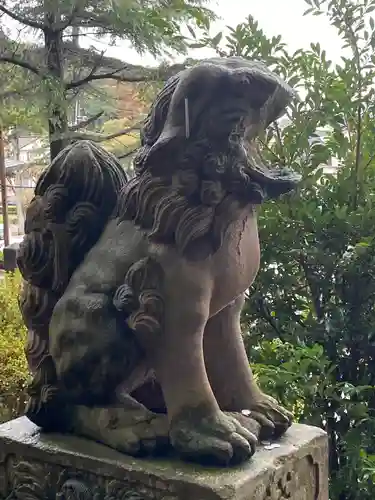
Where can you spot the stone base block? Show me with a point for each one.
(10, 257)
(37, 466)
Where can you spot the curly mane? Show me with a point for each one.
(190, 190)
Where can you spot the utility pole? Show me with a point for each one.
(3, 183)
(76, 72)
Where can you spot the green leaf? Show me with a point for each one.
(217, 38)
(192, 32)
(197, 45)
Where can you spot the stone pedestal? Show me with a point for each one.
(10, 257)
(55, 467)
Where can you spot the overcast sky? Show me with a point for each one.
(284, 17)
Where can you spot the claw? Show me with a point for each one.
(217, 439)
(272, 417)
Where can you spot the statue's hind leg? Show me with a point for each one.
(230, 374)
(117, 420)
(128, 427)
(121, 422)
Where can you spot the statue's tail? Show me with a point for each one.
(74, 199)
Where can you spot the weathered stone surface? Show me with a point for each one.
(131, 287)
(10, 257)
(36, 466)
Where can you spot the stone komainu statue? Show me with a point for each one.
(133, 288)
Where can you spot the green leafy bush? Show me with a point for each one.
(292, 373)
(13, 366)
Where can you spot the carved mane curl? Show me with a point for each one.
(188, 189)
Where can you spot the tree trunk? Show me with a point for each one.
(57, 114)
(3, 183)
(18, 191)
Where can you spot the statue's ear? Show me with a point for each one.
(167, 147)
(268, 93)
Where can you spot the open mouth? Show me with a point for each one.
(276, 179)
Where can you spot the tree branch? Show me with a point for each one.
(125, 131)
(128, 153)
(14, 93)
(69, 20)
(263, 310)
(96, 137)
(313, 287)
(105, 76)
(21, 19)
(85, 19)
(357, 151)
(89, 77)
(84, 123)
(372, 157)
(129, 73)
(20, 63)
(86, 34)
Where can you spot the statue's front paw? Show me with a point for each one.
(274, 419)
(211, 438)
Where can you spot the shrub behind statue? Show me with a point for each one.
(14, 373)
(133, 289)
